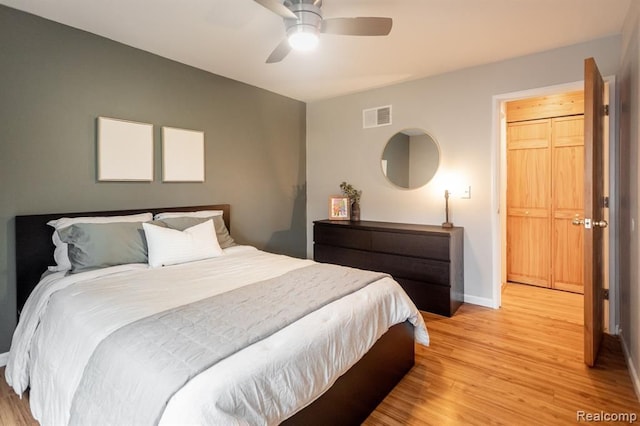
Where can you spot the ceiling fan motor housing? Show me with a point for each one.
(309, 17)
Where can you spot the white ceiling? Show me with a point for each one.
(233, 38)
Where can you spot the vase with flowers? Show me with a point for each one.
(354, 199)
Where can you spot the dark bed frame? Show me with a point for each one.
(348, 402)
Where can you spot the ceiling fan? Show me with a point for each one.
(303, 22)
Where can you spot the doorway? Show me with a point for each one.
(500, 188)
(545, 191)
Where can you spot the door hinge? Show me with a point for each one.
(606, 110)
(605, 293)
(606, 201)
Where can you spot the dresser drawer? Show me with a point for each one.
(431, 298)
(426, 246)
(434, 272)
(342, 237)
(343, 256)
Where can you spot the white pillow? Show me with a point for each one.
(170, 246)
(61, 252)
(201, 213)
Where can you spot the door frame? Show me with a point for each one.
(499, 190)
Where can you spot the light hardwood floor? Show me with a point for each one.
(519, 365)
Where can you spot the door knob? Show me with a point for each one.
(588, 223)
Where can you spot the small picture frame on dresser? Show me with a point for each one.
(338, 207)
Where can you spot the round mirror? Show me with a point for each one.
(410, 158)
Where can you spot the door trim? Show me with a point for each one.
(498, 189)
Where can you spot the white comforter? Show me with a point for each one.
(67, 316)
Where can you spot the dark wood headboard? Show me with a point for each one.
(34, 247)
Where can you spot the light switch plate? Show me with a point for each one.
(466, 192)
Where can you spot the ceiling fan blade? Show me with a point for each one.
(278, 8)
(280, 52)
(366, 26)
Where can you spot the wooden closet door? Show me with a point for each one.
(567, 203)
(528, 199)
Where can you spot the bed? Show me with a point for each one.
(71, 316)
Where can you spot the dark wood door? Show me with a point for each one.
(594, 114)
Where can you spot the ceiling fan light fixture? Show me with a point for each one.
(306, 24)
(303, 39)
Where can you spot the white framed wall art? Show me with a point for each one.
(182, 155)
(124, 150)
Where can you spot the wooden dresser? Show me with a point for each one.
(426, 260)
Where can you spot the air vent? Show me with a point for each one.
(376, 117)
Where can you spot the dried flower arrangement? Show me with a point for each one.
(353, 194)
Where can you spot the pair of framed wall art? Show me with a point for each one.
(125, 152)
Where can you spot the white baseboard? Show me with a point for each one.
(635, 378)
(4, 358)
(482, 301)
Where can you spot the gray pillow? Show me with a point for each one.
(99, 245)
(179, 223)
(183, 222)
(224, 239)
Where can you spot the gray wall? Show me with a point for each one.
(55, 81)
(457, 110)
(629, 178)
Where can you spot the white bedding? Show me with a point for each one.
(67, 316)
